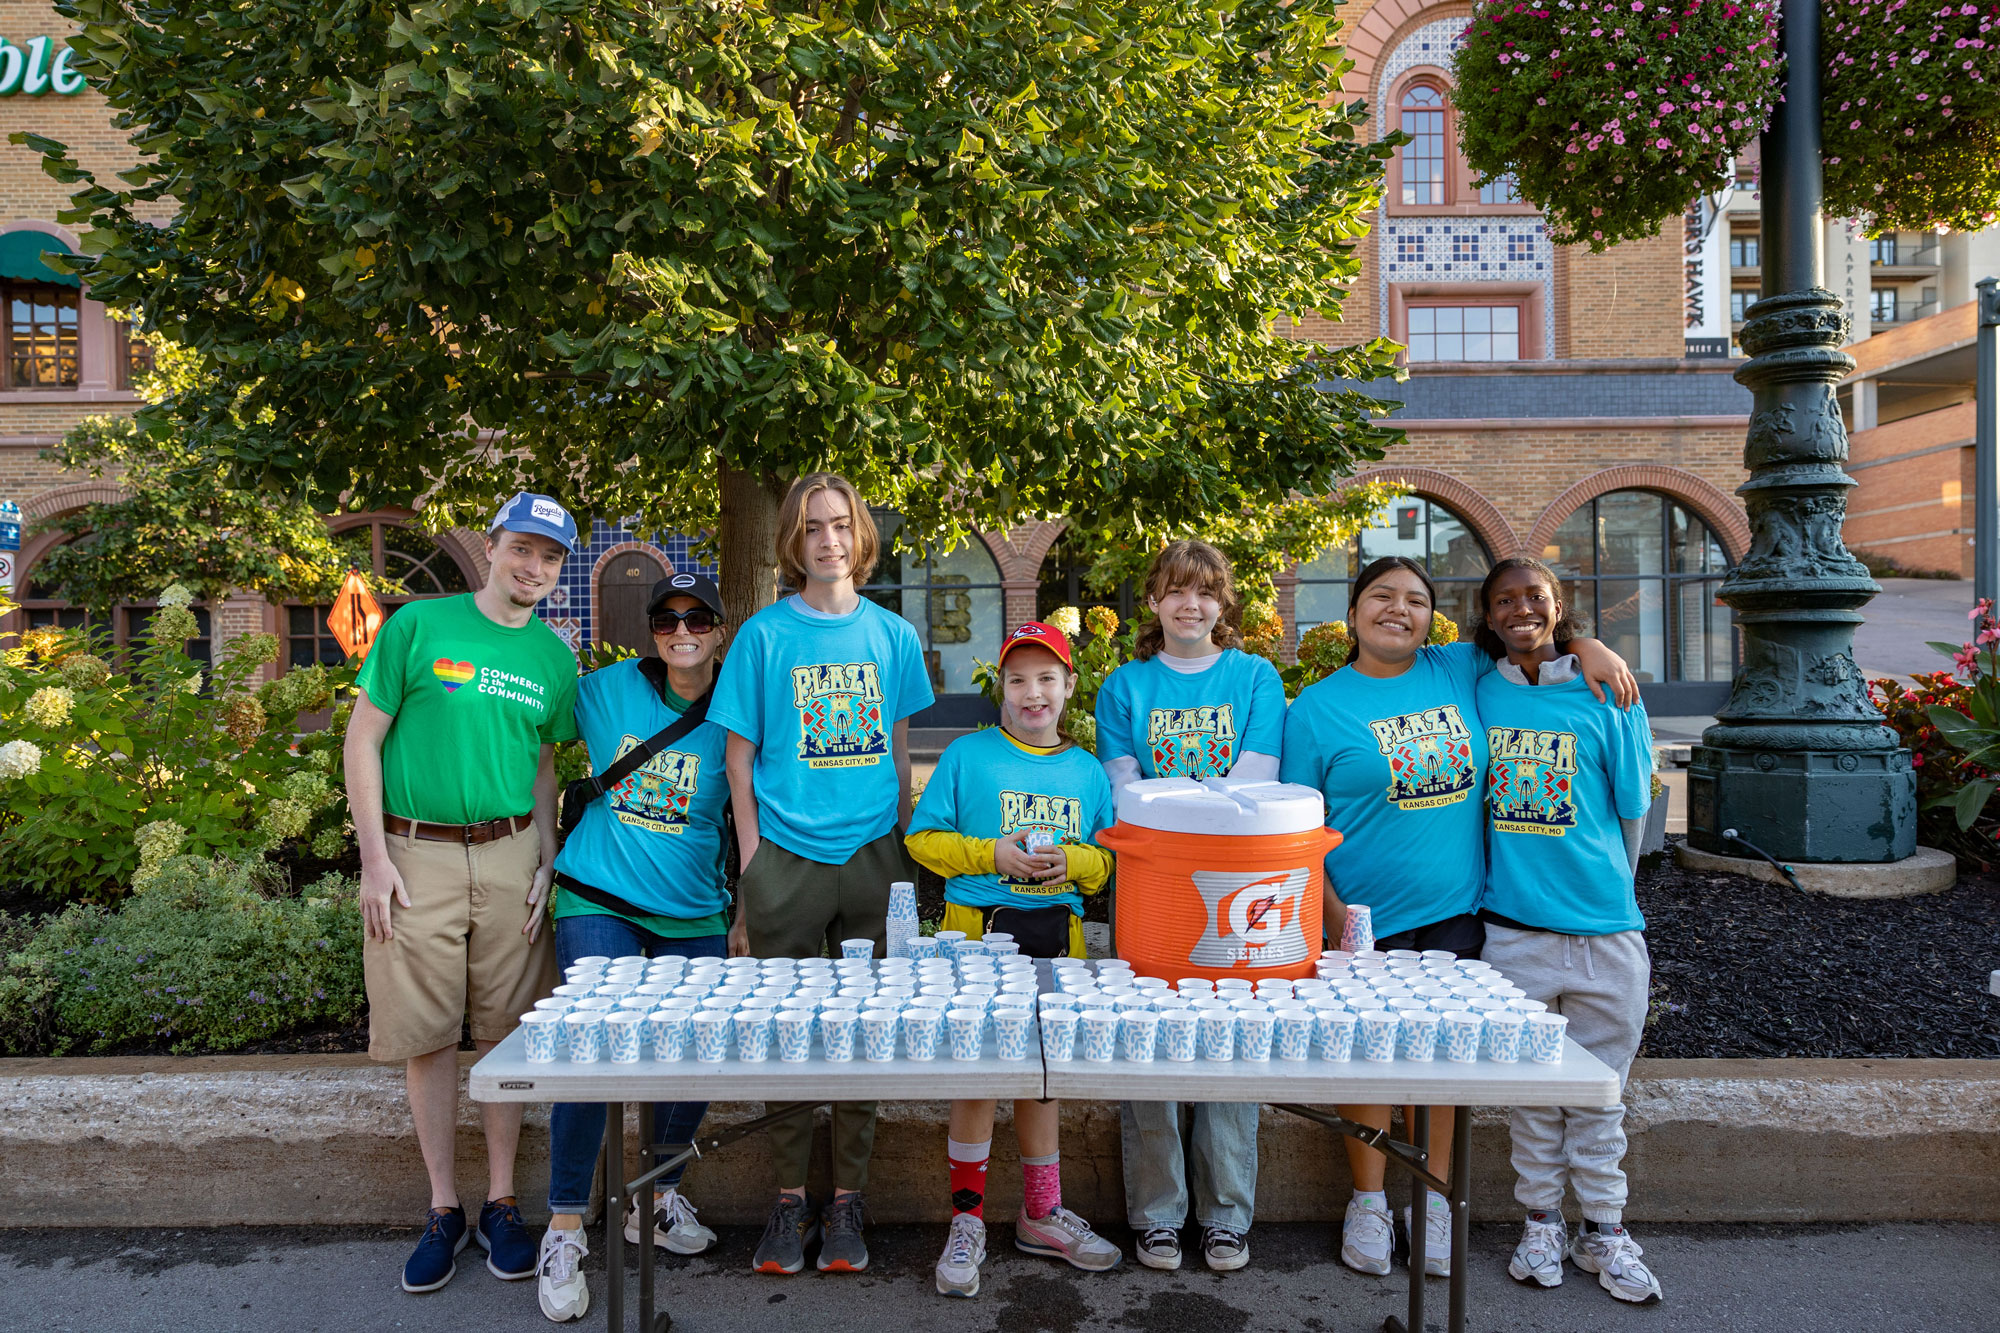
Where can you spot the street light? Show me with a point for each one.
(1799, 763)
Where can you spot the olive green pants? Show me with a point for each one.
(795, 908)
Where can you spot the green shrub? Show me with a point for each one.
(210, 955)
(114, 761)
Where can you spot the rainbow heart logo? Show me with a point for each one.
(453, 674)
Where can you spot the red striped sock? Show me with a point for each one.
(968, 1176)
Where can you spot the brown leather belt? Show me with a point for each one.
(467, 835)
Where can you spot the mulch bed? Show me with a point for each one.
(1745, 968)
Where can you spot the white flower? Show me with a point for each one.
(1067, 619)
(192, 685)
(48, 707)
(159, 840)
(174, 595)
(19, 758)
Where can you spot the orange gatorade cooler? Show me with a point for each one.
(1219, 878)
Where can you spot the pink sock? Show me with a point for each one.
(1041, 1185)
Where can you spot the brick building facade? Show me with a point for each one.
(1551, 408)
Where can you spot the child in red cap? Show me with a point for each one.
(1009, 819)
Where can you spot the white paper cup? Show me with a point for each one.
(968, 1032)
(670, 1029)
(586, 1035)
(624, 1035)
(857, 948)
(709, 1031)
(1010, 1033)
(1177, 1034)
(540, 1039)
(1502, 1038)
(1376, 1032)
(1139, 1035)
(1059, 1033)
(1418, 1037)
(1292, 1034)
(836, 1033)
(1097, 1035)
(878, 1034)
(923, 1027)
(1333, 1033)
(1215, 1031)
(1253, 1034)
(1458, 1035)
(1543, 1038)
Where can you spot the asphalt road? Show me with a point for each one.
(1718, 1279)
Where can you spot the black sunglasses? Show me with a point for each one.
(701, 620)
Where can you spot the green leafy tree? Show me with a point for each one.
(182, 518)
(991, 258)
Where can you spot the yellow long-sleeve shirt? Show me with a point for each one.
(1087, 865)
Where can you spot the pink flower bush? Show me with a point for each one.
(1613, 114)
(1912, 126)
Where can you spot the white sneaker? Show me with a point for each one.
(1063, 1235)
(674, 1225)
(1539, 1256)
(964, 1251)
(1366, 1238)
(559, 1275)
(1437, 1238)
(1613, 1255)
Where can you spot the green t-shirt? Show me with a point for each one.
(474, 702)
(666, 927)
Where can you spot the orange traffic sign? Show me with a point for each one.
(356, 617)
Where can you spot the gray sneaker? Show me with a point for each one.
(791, 1227)
(1063, 1235)
(1612, 1254)
(1539, 1256)
(964, 1251)
(841, 1248)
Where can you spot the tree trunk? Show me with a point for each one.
(749, 541)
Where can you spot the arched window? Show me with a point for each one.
(1421, 529)
(392, 549)
(953, 600)
(1423, 116)
(42, 607)
(1062, 583)
(1645, 570)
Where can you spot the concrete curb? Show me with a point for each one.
(1928, 870)
(303, 1140)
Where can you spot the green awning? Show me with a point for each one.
(21, 258)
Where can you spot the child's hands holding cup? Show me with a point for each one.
(1015, 859)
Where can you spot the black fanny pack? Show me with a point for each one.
(1041, 932)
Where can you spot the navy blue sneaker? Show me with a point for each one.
(510, 1254)
(435, 1260)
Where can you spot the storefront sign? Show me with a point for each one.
(37, 69)
(1705, 307)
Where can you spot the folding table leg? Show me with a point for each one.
(646, 1164)
(614, 1215)
(1420, 1135)
(1461, 1213)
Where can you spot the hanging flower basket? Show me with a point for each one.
(1613, 114)
(1912, 113)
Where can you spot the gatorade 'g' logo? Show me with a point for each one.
(1253, 920)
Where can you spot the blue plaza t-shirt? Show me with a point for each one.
(820, 696)
(655, 839)
(1401, 762)
(1562, 770)
(985, 786)
(1190, 725)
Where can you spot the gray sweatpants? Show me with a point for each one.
(1601, 983)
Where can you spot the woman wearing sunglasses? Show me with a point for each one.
(642, 873)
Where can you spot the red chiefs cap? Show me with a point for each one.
(1042, 636)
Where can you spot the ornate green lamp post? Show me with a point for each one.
(1799, 763)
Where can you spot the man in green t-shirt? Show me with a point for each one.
(451, 779)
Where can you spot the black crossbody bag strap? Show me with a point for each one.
(635, 759)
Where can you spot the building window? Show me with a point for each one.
(1503, 190)
(133, 356)
(39, 334)
(1062, 583)
(1882, 305)
(1743, 251)
(390, 549)
(1465, 333)
(1645, 571)
(42, 607)
(1415, 527)
(1740, 302)
(952, 600)
(1423, 156)
(1882, 249)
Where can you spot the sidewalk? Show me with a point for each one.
(1808, 1279)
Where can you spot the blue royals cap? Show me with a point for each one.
(538, 514)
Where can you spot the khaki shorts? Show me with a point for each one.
(458, 949)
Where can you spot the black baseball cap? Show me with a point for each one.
(698, 586)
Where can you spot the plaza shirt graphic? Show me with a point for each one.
(656, 797)
(1192, 742)
(1430, 758)
(840, 715)
(1061, 817)
(1530, 776)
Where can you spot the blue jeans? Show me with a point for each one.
(1219, 1165)
(576, 1129)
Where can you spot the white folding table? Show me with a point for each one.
(1296, 1087)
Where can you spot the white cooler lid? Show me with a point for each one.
(1229, 807)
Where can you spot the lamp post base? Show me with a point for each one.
(1803, 805)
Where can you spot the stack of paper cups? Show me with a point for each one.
(1359, 932)
(901, 926)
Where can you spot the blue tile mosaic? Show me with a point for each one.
(571, 609)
